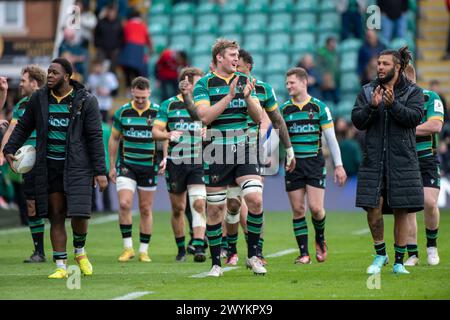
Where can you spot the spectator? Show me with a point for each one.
(351, 12)
(102, 84)
(88, 21)
(167, 69)
(394, 19)
(121, 5)
(328, 62)
(350, 148)
(108, 37)
(74, 52)
(314, 80)
(370, 48)
(370, 73)
(132, 57)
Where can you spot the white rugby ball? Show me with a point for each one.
(25, 159)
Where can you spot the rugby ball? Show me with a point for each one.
(25, 159)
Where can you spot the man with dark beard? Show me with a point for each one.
(389, 110)
(70, 159)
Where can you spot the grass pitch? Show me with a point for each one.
(342, 276)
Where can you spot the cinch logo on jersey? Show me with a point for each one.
(187, 126)
(302, 128)
(138, 133)
(58, 122)
(237, 103)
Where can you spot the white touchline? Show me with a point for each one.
(94, 221)
(361, 232)
(205, 274)
(134, 295)
(281, 253)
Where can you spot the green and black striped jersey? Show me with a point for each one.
(137, 146)
(434, 110)
(267, 100)
(18, 111)
(233, 121)
(305, 123)
(58, 123)
(173, 115)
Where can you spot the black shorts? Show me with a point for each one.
(55, 169)
(28, 185)
(237, 161)
(430, 171)
(179, 176)
(144, 176)
(308, 171)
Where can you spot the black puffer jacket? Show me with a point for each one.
(390, 149)
(85, 157)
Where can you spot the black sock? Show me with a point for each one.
(79, 240)
(260, 246)
(399, 253)
(412, 250)
(37, 226)
(254, 228)
(301, 235)
(232, 241)
(181, 244)
(224, 243)
(145, 238)
(125, 229)
(319, 227)
(198, 243)
(431, 237)
(214, 234)
(380, 248)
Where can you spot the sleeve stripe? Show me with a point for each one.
(272, 108)
(13, 121)
(199, 102)
(160, 123)
(328, 125)
(440, 118)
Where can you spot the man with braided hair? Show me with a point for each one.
(389, 109)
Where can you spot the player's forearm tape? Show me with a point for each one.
(333, 146)
(289, 155)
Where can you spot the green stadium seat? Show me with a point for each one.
(182, 8)
(278, 83)
(324, 36)
(281, 6)
(206, 8)
(160, 19)
(241, 2)
(157, 29)
(299, 50)
(305, 38)
(328, 26)
(333, 17)
(183, 19)
(397, 43)
(232, 7)
(181, 28)
(206, 26)
(277, 63)
(287, 17)
(160, 42)
(350, 83)
(202, 61)
(231, 36)
(278, 42)
(257, 7)
(254, 26)
(351, 44)
(306, 6)
(233, 18)
(227, 28)
(255, 43)
(262, 17)
(279, 26)
(306, 17)
(266, 2)
(349, 61)
(258, 61)
(344, 109)
(327, 6)
(160, 9)
(203, 44)
(257, 74)
(181, 42)
(303, 26)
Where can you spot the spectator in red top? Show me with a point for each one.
(166, 71)
(132, 57)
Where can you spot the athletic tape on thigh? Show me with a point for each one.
(197, 193)
(125, 183)
(216, 198)
(147, 188)
(251, 186)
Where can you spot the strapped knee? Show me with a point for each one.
(251, 186)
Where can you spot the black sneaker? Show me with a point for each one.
(35, 257)
(181, 257)
(200, 255)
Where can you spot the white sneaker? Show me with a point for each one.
(412, 261)
(256, 265)
(216, 271)
(432, 256)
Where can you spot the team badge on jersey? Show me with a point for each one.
(310, 114)
(215, 178)
(149, 120)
